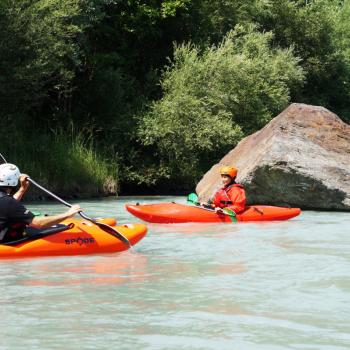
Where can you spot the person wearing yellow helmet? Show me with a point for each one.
(231, 195)
(15, 217)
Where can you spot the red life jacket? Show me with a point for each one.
(232, 196)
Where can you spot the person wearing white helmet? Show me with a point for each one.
(9, 177)
(15, 217)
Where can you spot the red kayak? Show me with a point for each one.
(176, 213)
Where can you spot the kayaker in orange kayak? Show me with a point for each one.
(231, 195)
(14, 217)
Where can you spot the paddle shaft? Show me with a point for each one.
(193, 198)
(3, 158)
(109, 229)
(196, 203)
(212, 210)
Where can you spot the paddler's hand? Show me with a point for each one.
(23, 180)
(219, 211)
(208, 205)
(74, 209)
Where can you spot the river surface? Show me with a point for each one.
(278, 285)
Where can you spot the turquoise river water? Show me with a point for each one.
(268, 286)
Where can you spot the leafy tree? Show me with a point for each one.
(314, 29)
(210, 20)
(39, 42)
(125, 47)
(339, 84)
(101, 65)
(212, 98)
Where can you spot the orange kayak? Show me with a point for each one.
(178, 213)
(74, 237)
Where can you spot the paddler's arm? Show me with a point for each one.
(47, 221)
(23, 189)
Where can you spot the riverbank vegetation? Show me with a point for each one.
(105, 96)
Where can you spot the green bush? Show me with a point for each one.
(65, 162)
(215, 97)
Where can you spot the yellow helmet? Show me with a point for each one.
(229, 170)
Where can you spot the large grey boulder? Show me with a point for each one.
(301, 158)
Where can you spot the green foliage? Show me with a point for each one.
(339, 83)
(234, 65)
(66, 162)
(341, 35)
(212, 98)
(314, 29)
(124, 49)
(169, 8)
(211, 20)
(318, 31)
(39, 40)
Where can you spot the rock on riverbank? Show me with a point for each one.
(301, 158)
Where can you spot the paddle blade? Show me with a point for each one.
(112, 231)
(109, 229)
(192, 198)
(230, 213)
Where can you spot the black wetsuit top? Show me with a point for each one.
(14, 217)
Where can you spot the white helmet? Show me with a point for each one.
(9, 175)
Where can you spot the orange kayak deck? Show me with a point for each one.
(180, 213)
(82, 239)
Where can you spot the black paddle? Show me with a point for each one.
(109, 229)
